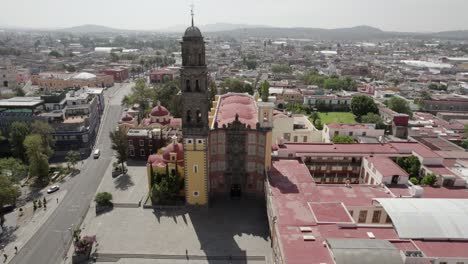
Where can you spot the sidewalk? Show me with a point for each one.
(19, 229)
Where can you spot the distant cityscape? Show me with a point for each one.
(238, 144)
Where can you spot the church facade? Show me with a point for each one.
(226, 144)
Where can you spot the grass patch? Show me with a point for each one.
(337, 117)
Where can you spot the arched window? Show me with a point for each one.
(197, 86)
(189, 116)
(199, 117)
(187, 86)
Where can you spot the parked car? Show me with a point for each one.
(7, 208)
(97, 153)
(53, 189)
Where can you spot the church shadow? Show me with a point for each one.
(226, 229)
(281, 182)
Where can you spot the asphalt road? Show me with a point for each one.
(48, 245)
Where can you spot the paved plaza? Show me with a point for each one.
(129, 188)
(228, 232)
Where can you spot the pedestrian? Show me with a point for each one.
(6, 257)
(16, 250)
(186, 253)
(57, 200)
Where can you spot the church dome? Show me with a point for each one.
(193, 32)
(173, 148)
(127, 118)
(159, 111)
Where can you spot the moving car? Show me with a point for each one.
(52, 189)
(96, 153)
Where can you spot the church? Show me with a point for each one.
(226, 145)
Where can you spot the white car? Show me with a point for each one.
(53, 189)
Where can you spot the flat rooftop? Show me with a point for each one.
(21, 102)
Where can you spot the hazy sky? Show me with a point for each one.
(398, 15)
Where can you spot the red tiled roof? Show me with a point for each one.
(233, 104)
(348, 126)
(387, 167)
(444, 248)
(159, 111)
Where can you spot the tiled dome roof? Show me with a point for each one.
(159, 111)
(176, 148)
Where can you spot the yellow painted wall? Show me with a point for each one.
(196, 181)
(268, 139)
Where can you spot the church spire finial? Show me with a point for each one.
(192, 14)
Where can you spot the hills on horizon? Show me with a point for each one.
(261, 31)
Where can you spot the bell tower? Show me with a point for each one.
(196, 105)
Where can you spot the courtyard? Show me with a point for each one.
(337, 117)
(230, 231)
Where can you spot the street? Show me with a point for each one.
(50, 242)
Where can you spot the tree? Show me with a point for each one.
(37, 156)
(265, 90)
(466, 130)
(464, 143)
(414, 180)
(338, 139)
(120, 146)
(237, 86)
(281, 68)
(362, 105)
(44, 130)
(114, 57)
(166, 188)
(314, 117)
(410, 164)
(371, 118)
(18, 132)
(13, 168)
(72, 158)
(55, 54)
(251, 64)
(318, 124)
(103, 199)
(2, 138)
(8, 194)
(430, 179)
(399, 105)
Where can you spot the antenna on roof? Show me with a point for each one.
(191, 12)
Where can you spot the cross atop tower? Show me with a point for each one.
(192, 13)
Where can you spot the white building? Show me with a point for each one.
(351, 130)
(294, 128)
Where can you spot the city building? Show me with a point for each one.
(352, 130)
(162, 75)
(328, 102)
(118, 74)
(294, 128)
(54, 81)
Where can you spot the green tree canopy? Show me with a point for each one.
(8, 194)
(37, 156)
(265, 90)
(410, 164)
(166, 188)
(103, 198)
(281, 68)
(120, 146)
(338, 139)
(13, 168)
(44, 130)
(399, 105)
(72, 158)
(430, 179)
(55, 54)
(371, 118)
(237, 86)
(362, 105)
(18, 132)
